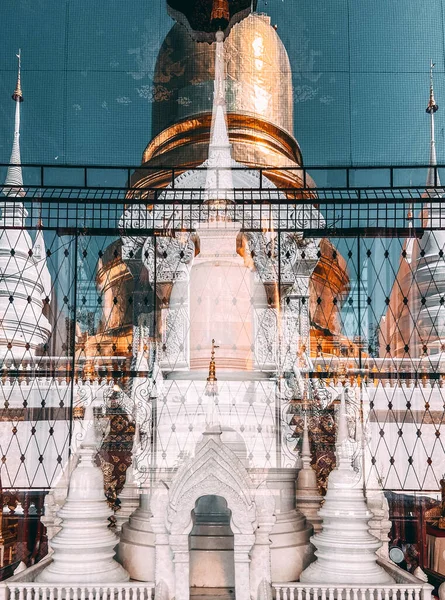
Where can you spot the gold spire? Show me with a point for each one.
(212, 366)
(211, 385)
(18, 95)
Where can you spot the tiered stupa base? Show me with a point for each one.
(84, 547)
(346, 550)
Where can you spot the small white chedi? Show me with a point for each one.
(84, 548)
(346, 550)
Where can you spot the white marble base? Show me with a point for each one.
(136, 549)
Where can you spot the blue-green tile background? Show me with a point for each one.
(365, 63)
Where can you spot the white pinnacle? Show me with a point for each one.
(25, 285)
(431, 110)
(14, 213)
(427, 263)
(346, 551)
(307, 493)
(84, 547)
(219, 180)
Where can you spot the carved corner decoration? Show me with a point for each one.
(115, 454)
(201, 16)
(322, 432)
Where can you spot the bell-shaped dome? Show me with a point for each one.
(259, 81)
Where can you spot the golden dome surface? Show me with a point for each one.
(259, 99)
(259, 81)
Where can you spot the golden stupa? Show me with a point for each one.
(259, 98)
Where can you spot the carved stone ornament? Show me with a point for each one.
(169, 256)
(214, 470)
(286, 257)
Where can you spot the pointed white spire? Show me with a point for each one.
(431, 109)
(23, 326)
(14, 213)
(14, 175)
(308, 497)
(305, 448)
(219, 181)
(342, 442)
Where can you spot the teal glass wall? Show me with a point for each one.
(360, 73)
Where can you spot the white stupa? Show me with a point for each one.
(84, 548)
(25, 282)
(346, 550)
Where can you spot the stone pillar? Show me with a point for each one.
(243, 544)
(284, 262)
(179, 544)
(298, 260)
(261, 569)
(175, 318)
(172, 261)
(164, 567)
(296, 326)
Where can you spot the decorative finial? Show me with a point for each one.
(212, 366)
(18, 94)
(220, 15)
(432, 106)
(212, 386)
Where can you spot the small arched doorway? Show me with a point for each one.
(215, 470)
(211, 548)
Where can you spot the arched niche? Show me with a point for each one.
(214, 471)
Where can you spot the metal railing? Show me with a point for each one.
(371, 200)
(338, 177)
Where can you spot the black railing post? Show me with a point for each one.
(359, 310)
(72, 331)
